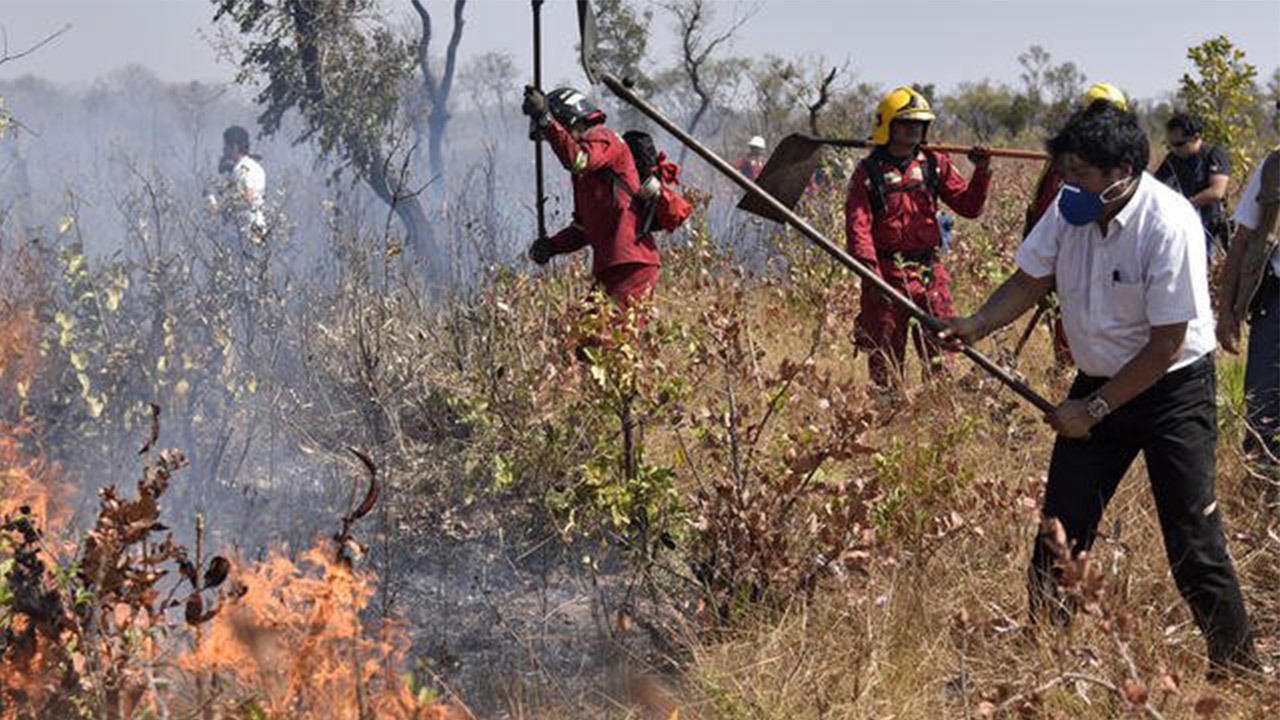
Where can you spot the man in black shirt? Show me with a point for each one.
(1199, 171)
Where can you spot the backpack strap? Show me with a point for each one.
(931, 175)
(875, 180)
(644, 208)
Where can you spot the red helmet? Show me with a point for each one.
(571, 107)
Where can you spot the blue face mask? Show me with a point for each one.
(1081, 207)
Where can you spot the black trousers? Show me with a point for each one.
(1174, 425)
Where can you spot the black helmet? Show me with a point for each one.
(571, 107)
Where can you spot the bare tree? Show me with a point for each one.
(821, 88)
(1066, 83)
(707, 78)
(436, 88)
(490, 81)
(1035, 64)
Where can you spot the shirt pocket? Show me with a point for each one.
(1124, 307)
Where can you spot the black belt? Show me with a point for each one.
(1197, 367)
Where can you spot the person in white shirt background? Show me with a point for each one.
(249, 183)
(1128, 259)
(1251, 290)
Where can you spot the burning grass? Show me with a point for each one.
(138, 625)
(127, 622)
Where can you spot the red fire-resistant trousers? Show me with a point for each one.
(882, 325)
(630, 283)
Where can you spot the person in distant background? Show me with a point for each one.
(246, 195)
(751, 163)
(1200, 172)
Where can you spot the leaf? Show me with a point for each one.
(1206, 706)
(112, 301)
(504, 475)
(1135, 691)
(65, 224)
(79, 360)
(370, 495)
(188, 570)
(252, 711)
(194, 612)
(216, 574)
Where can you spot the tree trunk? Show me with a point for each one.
(435, 90)
(437, 125)
(419, 233)
(704, 104)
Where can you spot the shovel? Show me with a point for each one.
(933, 324)
(791, 166)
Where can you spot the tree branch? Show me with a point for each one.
(424, 47)
(6, 57)
(451, 53)
(824, 97)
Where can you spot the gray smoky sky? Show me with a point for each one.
(1138, 45)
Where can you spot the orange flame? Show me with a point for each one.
(293, 642)
(26, 480)
(297, 638)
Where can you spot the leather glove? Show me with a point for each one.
(541, 251)
(535, 104)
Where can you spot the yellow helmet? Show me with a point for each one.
(903, 103)
(1105, 91)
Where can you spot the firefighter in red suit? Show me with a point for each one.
(625, 265)
(1047, 191)
(751, 163)
(892, 227)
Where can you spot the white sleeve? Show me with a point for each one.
(1177, 288)
(251, 178)
(1247, 212)
(1038, 254)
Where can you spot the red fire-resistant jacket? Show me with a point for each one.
(603, 218)
(908, 223)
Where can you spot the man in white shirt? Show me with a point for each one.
(250, 182)
(1251, 289)
(1127, 257)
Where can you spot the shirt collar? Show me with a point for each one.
(1130, 208)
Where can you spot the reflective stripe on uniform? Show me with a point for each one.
(580, 162)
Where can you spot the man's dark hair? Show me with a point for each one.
(237, 137)
(1190, 125)
(1105, 137)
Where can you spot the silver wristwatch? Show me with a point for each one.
(1097, 407)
